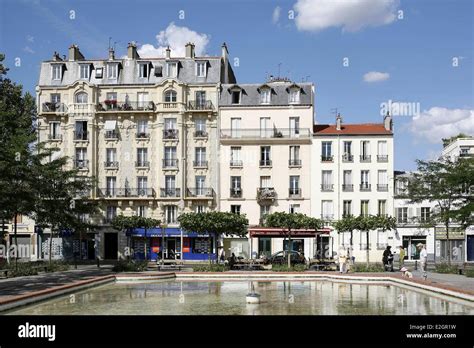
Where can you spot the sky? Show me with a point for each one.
(363, 56)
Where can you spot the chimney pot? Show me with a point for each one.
(168, 52)
(132, 50)
(387, 122)
(338, 122)
(75, 53)
(190, 50)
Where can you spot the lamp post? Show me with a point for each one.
(163, 245)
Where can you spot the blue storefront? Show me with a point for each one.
(177, 244)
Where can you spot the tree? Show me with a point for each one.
(450, 185)
(290, 222)
(214, 223)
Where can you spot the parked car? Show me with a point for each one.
(281, 258)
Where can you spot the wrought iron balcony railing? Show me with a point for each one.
(170, 163)
(365, 187)
(347, 187)
(59, 108)
(236, 192)
(115, 105)
(200, 192)
(81, 164)
(382, 158)
(365, 158)
(200, 164)
(170, 192)
(382, 188)
(294, 192)
(81, 135)
(200, 105)
(266, 193)
(111, 134)
(294, 163)
(143, 135)
(265, 163)
(126, 192)
(111, 164)
(200, 134)
(257, 133)
(327, 187)
(327, 158)
(347, 157)
(142, 164)
(236, 163)
(55, 137)
(170, 134)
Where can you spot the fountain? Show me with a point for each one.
(252, 297)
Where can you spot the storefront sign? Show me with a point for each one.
(454, 233)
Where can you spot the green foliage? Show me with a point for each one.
(373, 267)
(469, 273)
(130, 266)
(57, 266)
(293, 268)
(22, 269)
(210, 268)
(292, 221)
(219, 223)
(446, 268)
(122, 222)
(365, 223)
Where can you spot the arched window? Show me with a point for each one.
(170, 96)
(81, 98)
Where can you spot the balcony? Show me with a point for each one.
(142, 135)
(170, 134)
(265, 163)
(81, 164)
(382, 188)
(365, 187)
(55, 137)
(111, 135)
(365, 158)
(347, 187)
(347, 158)
(195, 105)
(200, 192)
(81, 108)
(236, 192)
(265, 136)
(118, 106)
(382, 158)
(294, 192)
(327, 158)
(81, 135)
(266, 194)
(53, 108)
(327, 187)
(170, 163)
(111, 164)
(170, 192)
(125, 192)
(200, 164)
(236, 163)
(200, 134)
(142, 164)
(294, 163)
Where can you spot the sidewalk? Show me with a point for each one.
(454, 280)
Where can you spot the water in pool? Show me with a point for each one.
(228, 298)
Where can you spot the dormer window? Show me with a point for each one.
(84, 71)
(172, 69)
(57, 71)
(201, 69)
(236, 97)
(143, 70)
(99, 73)
(112, 70)
(265, 95)
(294, 96)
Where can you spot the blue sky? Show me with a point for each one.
(409, 54)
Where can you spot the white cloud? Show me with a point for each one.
(351, 15)
(176, 38)
(438, 122)
(28, 49)
(276, 14)
(376, 76)
(30, 38)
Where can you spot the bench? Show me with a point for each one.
(250, 266)
(170, 266)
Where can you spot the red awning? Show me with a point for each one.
(271, 232)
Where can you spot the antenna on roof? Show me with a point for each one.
(110, 39)
(334, 111)
(279, 67)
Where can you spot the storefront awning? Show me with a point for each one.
(271, 232)
(110, 125)
(168, 232)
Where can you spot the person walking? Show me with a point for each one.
(401, 260)
(423, 257)
(387, 259)
(342, 260)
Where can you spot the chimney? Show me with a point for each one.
(225, 64)
(338, 122)
(75, 54)
(111, 54)
(168, 52)
(189, 50)
(56, 57)
(387, 122)
(225, 52)
(132, 51)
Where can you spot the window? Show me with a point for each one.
(201, 69)
(235, 209)
(200, 99)
(142, 156)
(265, 159)
(200, 181)
(172, 69)
(200, 127)
(364, 180)
(200, 156)
(346, 208)
(110, 157)
(170, 123)
(326, 180)
(170, 156)
(111, 212)
(265, 127)
(170, 96)
(143, 70)
(170, 184)
(295, 156)
(295, 185)
(382, 207)
(294, 95)
(142, 184)
(235, 97)
(142, 210)
(235, 156)
(142, 100)
(112, 71)
(265, 95)
(170, 214)
(99, 73)
(264, 247)
(382, 181)
(381, 239)
(265, 182)
(84, 71)
(402, 215)
(81, 157)
(327, 210)
(347, 154)
(81, 98)
(111, 95)
(80, 132)
(382, 155)
(55, 98)
(54, 130)
(347, 181)
(235, 127)
(264, 211)
(57, 71)
(235, 186)
(111, 185)
(199, 209)
(294, 127)
(294, 208)
(326, 151)
(364, 235)
(364, 208)
(142, 128)
(425, 214)
(365, 150)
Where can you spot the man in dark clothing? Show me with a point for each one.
(388, 259)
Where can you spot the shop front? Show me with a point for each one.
(450, 246)
(170, 243)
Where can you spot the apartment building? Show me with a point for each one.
(351, 174)
(265, 156)
(459, 148)
(147, 130)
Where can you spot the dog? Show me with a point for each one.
(406, 272)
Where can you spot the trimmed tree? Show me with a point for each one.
(214, 223)
(289, 222)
